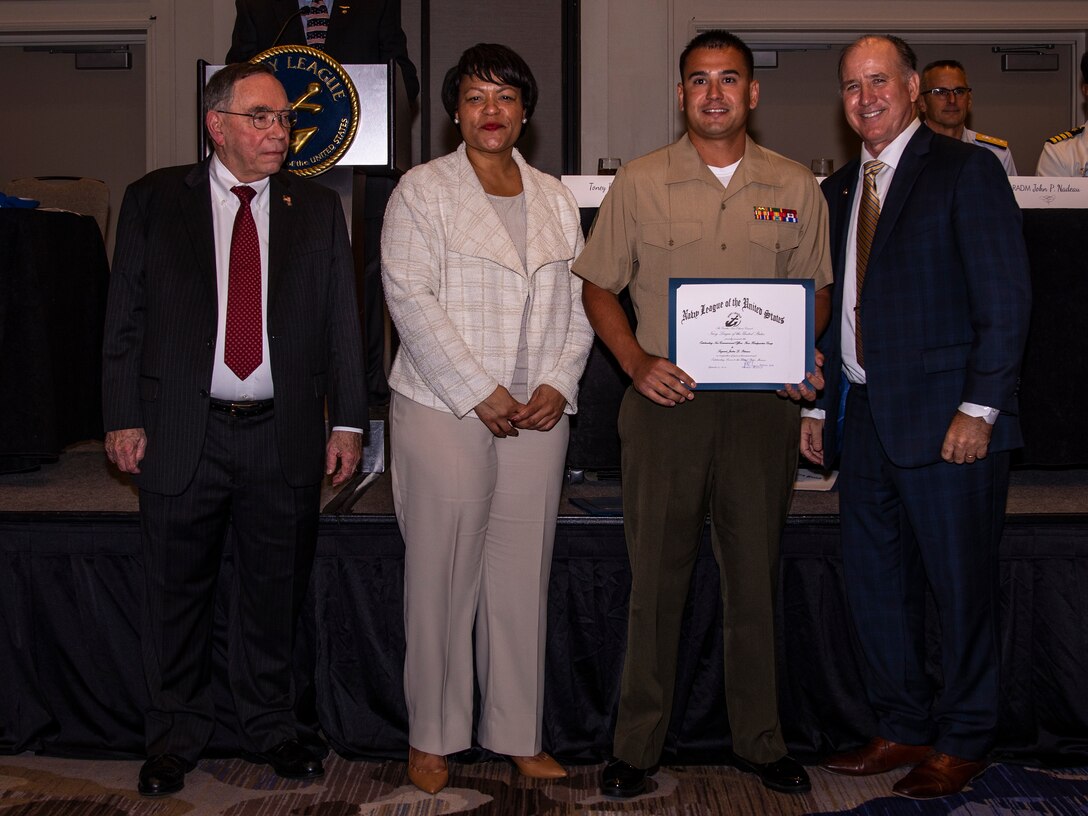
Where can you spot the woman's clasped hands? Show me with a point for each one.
(505, 416)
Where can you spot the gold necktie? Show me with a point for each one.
(868, 213)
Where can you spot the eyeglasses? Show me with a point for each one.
(262, 120)
(943, 92)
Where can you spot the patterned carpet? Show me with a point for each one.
(44, 786)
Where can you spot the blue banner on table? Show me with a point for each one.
(742, 333)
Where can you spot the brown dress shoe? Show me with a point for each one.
(541, 766)
(938, 775)
(878, 756)
(428, 772)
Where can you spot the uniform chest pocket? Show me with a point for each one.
(671, 235)
(771, 247)
(776, 236)
(667, 249)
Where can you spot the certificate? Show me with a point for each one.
(739, 333)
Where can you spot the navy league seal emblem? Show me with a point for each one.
(322, 94)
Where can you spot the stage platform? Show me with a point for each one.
(71, 588)
(83, 481)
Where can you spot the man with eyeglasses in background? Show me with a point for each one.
(944, 104)
(1066, 153)
(231, 328)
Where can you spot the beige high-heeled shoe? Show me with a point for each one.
(541, 766)
(426, 779)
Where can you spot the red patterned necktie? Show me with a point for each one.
(242, 350)
(868, 213)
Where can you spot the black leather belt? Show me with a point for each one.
(241, 409)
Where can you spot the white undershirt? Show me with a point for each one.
(725, 174)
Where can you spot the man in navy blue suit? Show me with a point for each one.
(930, 314)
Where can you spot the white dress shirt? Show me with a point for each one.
(225, 204)
(891, 156)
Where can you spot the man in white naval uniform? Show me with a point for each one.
(944, 102)
(1066, 153)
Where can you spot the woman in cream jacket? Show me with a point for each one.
(476, 255)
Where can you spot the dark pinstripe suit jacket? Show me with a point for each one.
(946, 299)
(160, 335)
(360, 31)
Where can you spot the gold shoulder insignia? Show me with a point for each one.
(992, 140)
(1069, 134)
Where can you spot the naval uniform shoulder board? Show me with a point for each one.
(1069, 134)
(992, 140)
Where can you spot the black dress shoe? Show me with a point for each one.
(785, 775)
(293, 760)
(620, 780)
(162, 775)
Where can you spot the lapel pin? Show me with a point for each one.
(287, 200)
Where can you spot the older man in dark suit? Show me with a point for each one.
(230, 331)
(931, 305)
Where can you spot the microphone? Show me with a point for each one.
(279, 35)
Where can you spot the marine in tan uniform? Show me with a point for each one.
(712, 205)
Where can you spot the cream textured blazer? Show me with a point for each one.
(456, 287)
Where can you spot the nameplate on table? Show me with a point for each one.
(588, 190)
(1050, 192)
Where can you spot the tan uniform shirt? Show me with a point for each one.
(667, 216)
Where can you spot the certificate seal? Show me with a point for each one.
(322, 94)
